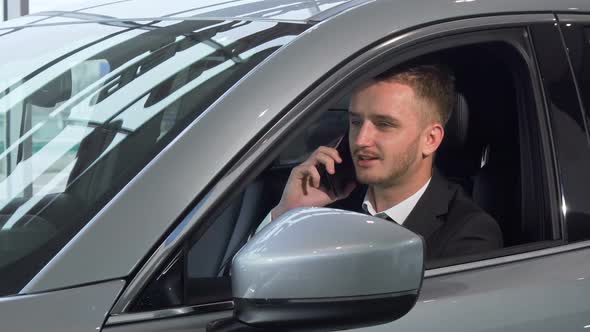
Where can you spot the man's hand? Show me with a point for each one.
(303, 187)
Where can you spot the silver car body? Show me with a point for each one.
(544, 290)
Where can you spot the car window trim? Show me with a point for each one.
(251, 161)
(167, 313)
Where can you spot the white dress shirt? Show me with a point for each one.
(398, 212)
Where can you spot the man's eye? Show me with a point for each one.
(384, 124)
(355, 123)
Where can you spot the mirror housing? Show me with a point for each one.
(320, 268)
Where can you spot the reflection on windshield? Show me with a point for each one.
(75, 130)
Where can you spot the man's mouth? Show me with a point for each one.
(367, 158)
(364, 159)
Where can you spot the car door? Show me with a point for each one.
(538, 284)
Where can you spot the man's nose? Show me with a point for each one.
(364, 135)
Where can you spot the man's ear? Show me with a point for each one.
(433, 136)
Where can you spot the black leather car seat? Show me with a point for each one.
(479, 156)
(458, 156)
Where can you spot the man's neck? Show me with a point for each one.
(384, 198)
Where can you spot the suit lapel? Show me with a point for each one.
(424, 218)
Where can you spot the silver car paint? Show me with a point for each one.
(543, 294)
(326, 253)
(82, 309)
(326, 45)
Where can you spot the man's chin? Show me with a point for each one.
(376, 180)
(367, 179)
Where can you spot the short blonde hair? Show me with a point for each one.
(432, 82)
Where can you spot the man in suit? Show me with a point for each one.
(396, 124)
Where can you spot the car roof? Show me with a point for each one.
(303, 11)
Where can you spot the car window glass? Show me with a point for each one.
(76, 126)
(571, 125)
(204, 277)
(324, 132)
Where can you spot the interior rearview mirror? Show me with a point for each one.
(324, 269)
(69, 83)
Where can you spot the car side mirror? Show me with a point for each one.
(324, 269)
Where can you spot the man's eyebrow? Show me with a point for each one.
(375, 117)
(381, 117)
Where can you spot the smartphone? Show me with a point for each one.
(344, 172)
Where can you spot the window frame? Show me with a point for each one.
(568, 25)
(269, 144)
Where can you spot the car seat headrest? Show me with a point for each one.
(458, 156)
(457, 126)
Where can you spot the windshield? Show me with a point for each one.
(83, 108)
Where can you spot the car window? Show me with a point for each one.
(76, 126)
(490, 150)
(200, 273)
(571, 128)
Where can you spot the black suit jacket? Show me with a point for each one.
(448, 220)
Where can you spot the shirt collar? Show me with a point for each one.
(398, 212)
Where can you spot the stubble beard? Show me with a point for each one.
(398, 171)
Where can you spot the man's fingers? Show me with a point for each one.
(308, 175)
(305, 184)
(333, 153)
(327, 161)
(300, 171)
(314, 176)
